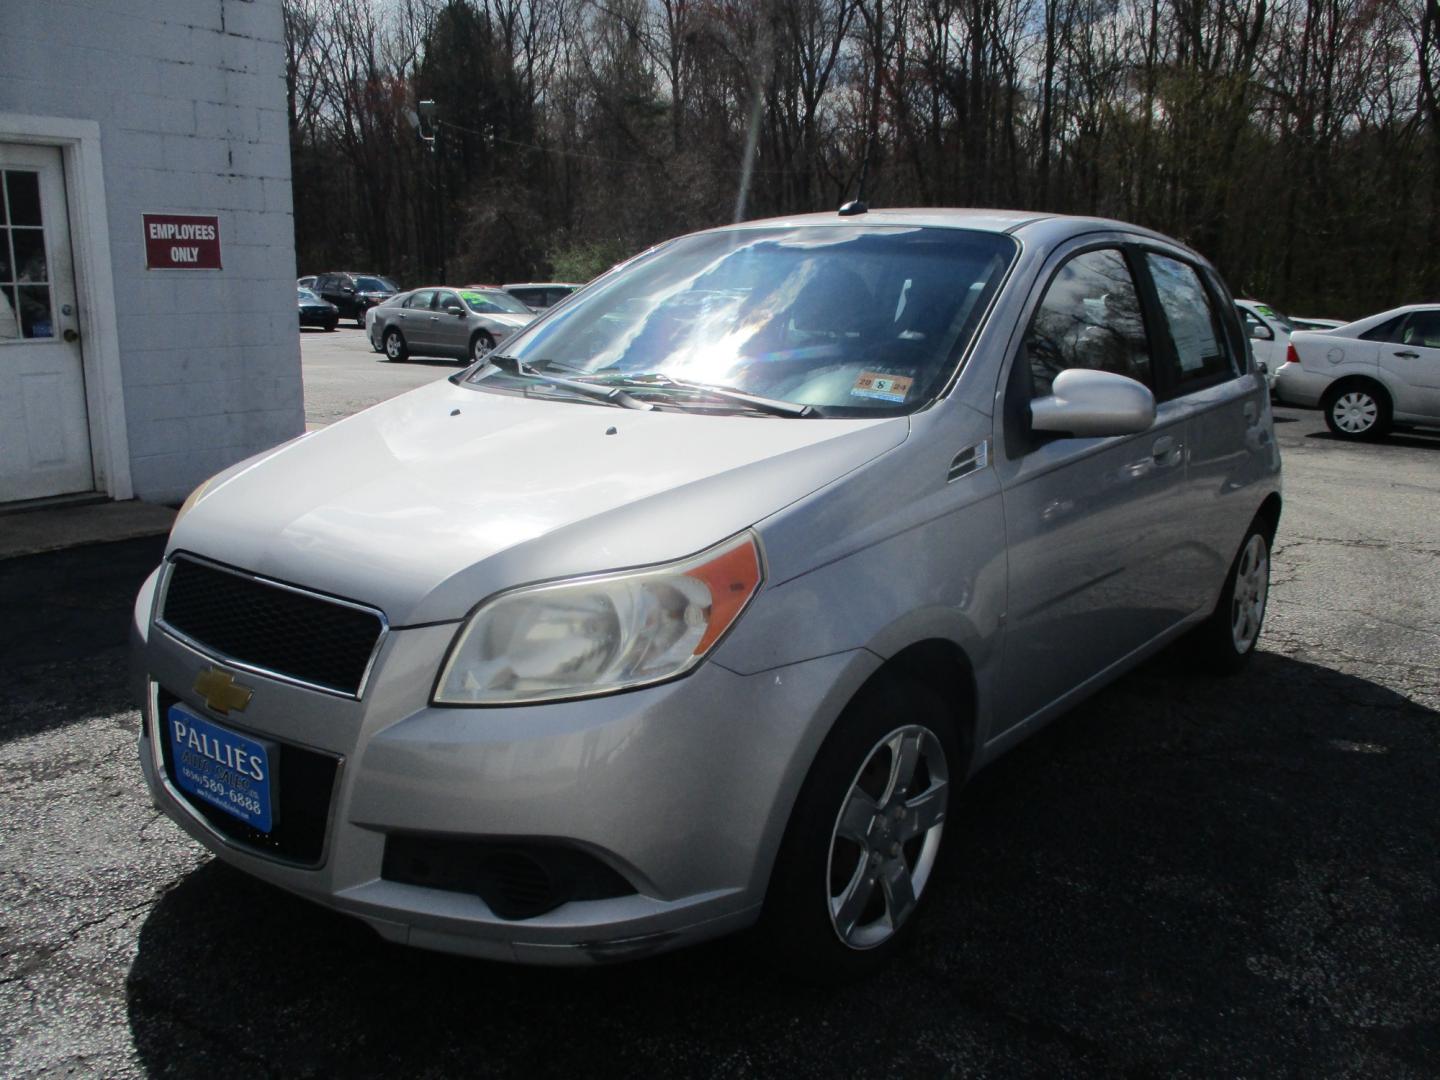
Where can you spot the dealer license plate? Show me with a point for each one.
(221, 767)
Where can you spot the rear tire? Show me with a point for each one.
(866, 834)
(1358, 410)
(1226, 640)
(394, 345)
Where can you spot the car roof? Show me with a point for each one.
(541, 285)
(1369, 322)
(1046, 228)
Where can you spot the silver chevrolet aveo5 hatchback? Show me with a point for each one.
(696, 607)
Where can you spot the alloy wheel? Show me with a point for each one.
(1252, 588)
(392, 346)
(887, 835)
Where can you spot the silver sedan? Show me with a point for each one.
(440, 321)
(695, 606)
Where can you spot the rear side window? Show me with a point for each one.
(1090, 318)
(1192, 323)
(1386, 331)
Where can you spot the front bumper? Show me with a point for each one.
(1296, 386)
(684, 789)
(319, 316)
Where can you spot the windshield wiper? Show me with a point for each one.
(613, 394)
(774, 406)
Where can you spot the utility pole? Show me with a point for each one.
(429, 126)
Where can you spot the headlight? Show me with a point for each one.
(597, 635)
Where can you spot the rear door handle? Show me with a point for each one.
(1409, 355)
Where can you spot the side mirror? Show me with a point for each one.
(1261, 332)
(455, 309)
(1085, 403)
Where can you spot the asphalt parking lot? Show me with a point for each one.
(1183, 877)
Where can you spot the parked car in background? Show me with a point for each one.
(1368, 375)
(307, 282)
(353, 293)
(698, 605)
(539, 295)
(1269, 333)
(317, 312)
(1298, 323)
(442, 321)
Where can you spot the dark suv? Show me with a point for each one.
(354, 293)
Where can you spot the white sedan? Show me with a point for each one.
(1370, 374)
(1269, 333)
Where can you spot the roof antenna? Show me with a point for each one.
(858, 205)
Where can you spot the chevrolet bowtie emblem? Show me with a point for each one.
(221, 692)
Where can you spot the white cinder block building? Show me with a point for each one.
(147, 258)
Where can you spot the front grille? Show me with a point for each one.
(304, 785)
(517, 880)
(297, 635)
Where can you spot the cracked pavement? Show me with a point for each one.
(1183, 877)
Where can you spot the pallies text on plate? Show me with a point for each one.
(232, 757)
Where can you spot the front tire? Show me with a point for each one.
(394, 342)
(1358, 411)
(865, 836)
(480, 345)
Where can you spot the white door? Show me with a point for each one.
(1413, 356)
(44, 429)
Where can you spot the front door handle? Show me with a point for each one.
(1409, 355)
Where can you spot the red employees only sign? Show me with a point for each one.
(182, 242)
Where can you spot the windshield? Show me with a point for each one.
(853, 320)
(1277, 317)
(374, 284)
(495, 303)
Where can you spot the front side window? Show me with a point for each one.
(1090, 318)
(420, 298)
(851, 320)
(1192, 322)
(446, 300)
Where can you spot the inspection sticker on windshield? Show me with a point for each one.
(884, 387)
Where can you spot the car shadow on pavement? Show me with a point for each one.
(426, 361)
(1419, 440)
(1182, 875)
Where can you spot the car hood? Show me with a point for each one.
(511, 320)
(428, 503)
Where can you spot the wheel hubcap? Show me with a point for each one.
(392, 346)
(1355, 412)
(481, 348)
(887, 835)
(1252, 586)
